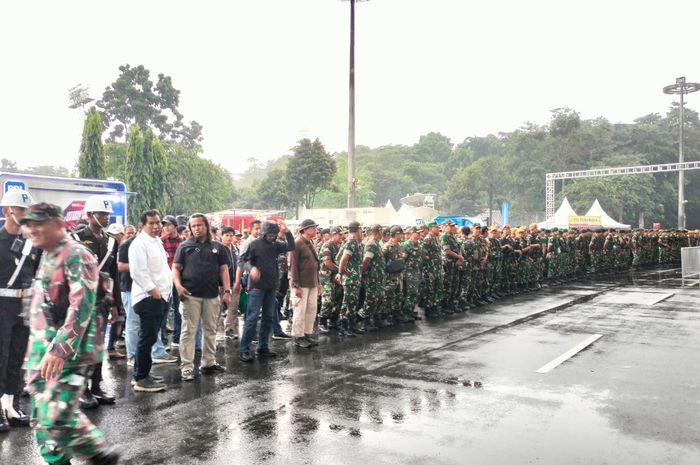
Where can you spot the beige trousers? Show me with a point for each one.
(304, 308)
(232, 313)
(194, 309)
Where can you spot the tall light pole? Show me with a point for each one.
(352, 182)
(681, 87)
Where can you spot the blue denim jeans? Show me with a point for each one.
(259, 301)
(131, 333)
(150, 312)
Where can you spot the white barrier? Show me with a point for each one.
(690, 265)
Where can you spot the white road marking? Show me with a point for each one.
(569, 353)
(663, 297)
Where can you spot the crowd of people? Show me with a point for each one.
(171, 291)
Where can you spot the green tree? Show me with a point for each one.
(433, 147)
(195, 184)
(8, 165)
(478, 186)
(134, 99)
(139, 174)
(309, 171)
(91, 163)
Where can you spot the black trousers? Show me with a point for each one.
(150, 312)
(14, 335)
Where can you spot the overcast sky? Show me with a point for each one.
(260, 75)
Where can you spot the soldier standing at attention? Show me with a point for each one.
(331, 291)
(394, 259)
(434, 273)
(18, 262)
(62, 342)
(373, 271)
(452, 260)
(414, 257)
(349, 276)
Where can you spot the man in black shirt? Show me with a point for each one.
(199, 263)
(18, 264)
(94, 238)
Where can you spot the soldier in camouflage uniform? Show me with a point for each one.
(392, 310)
(349, 259)
(63, 342)
(494, 262)
(468, 250)
(332, 292)
(373, 276)
(414, 256)
(433, 272)
(452, 261)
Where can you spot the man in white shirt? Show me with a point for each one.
(150, 291)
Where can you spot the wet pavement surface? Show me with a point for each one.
(457, 390)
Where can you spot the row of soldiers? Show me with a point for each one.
(376, 277)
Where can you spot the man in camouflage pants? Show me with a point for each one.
(373, 272)
(332, 292)
(414, 257)
(63, 342)
(349, 258)
(434, 274)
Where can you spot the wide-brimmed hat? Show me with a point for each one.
(306, 224)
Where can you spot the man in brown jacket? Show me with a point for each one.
(303, 284)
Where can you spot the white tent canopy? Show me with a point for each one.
(605, 220)
(561, 216)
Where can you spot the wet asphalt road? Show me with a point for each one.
(407, 395)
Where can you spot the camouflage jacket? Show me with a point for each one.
(66, 274)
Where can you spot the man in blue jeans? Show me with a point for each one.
(259, 259)
(150, 292)
(131, 331)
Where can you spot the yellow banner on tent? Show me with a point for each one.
(576, 221)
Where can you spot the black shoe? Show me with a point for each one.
(246, 357)
(21, 420)
(323, 325)
(383, 323)
(369, 326)
(4, 424)
(281, 337)
(416, 316)
(266, 353)
(402, 319)
(355, 328)
(302, 342)
(212, 369)
(332, 323)
(88, 401)
(344, 330)
(102, 397)
(311, 339)
(105, 457)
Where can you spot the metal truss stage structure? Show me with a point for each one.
(551, 178)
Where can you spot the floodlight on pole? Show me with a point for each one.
(681, 87)
(79, 96)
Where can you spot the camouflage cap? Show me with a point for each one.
(432, 224)
(448, 223)
(354, 226)
(41, 212)
(376, 228)
(338, 230)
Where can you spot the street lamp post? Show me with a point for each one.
(681, 87)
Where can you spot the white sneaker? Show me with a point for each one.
(130, 362)
(167, 358)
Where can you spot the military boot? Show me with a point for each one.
(369, 326)
(343, 328)
(354, 326)
(105, 457)
(323, 325)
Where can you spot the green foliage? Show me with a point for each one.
(91, 163)
(134, 99)
(194, 184)
(309, 171)
(8, 165)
